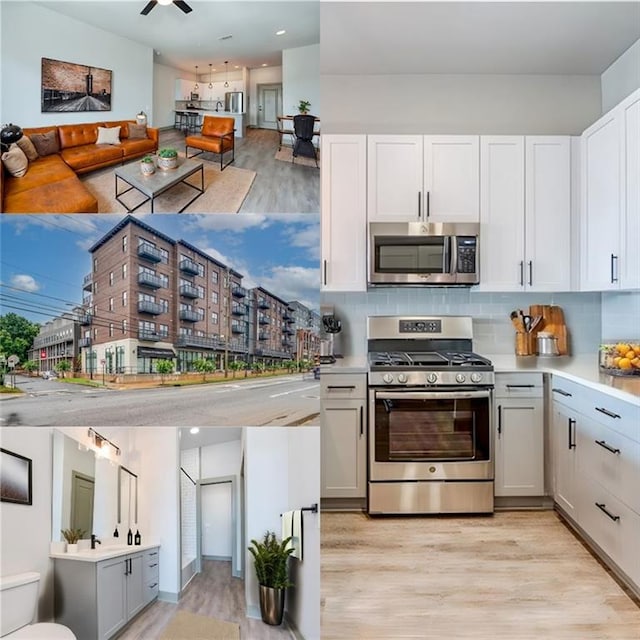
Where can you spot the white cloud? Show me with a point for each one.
(294, 283)
(227, 222)
(238, 265)
(307, 237)
(25, 282)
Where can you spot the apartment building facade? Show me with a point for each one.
(272, 336)
(57, 340)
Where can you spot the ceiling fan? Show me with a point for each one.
(179, 3)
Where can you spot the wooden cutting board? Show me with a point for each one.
(559, 329)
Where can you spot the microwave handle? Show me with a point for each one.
(432, 395)
(451, 260)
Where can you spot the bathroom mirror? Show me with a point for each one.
(127, 498)
(84, 490)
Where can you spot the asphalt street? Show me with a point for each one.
(281, 401)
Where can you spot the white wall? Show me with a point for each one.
(31, 32)
(267, 75)
(622, 78)
(164, 94)
(303, 608)
(301, 79)
(483, 104)
(26, 530)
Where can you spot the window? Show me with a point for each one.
(201, 270)
(124, 242)
(214, 277)
(111, 278)
(214, 317)
(95, 334)
(165, 256)
(95, 287)
(165, 306)
(111, 329)
(124, 271)
(200, 313)
(124, 298)
(95, 265)
(200, 291)
(124, 326)
(185, 331)
(146, 327)
(214, 297)
(163, 330)
(185, 307)
(110, 304)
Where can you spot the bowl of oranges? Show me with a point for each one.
(621, 358)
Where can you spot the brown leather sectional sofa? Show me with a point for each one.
(51, 184)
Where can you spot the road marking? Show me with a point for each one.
(286, 393)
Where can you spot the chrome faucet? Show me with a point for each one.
(94, 540)
(219, 103)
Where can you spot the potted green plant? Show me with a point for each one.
(167, 158)
(147, 166)
(270, 561)
(72, 536)
(303, 107)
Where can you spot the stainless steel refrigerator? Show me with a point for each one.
(234, 102)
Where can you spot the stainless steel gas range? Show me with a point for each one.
(430, 417)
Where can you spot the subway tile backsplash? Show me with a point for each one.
(621, 315)
(493, 331)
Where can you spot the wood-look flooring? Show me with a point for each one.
(516, 576)
(279, 187)
(214, 592)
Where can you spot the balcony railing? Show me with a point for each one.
(237, 328)
(189, 266)
(288, 317)
(200, 341)
(87, 282)
(150, 336)
(153, 308)
(238, 309)
(263, 336)
(274, 353)
(188, 291)
(149, 252)
(149, 280)
(264, 320)
(263, 304)
(85, 319)
(286, 342)
(288, 331)
(189, 316)
(238, 292)
(84, 342)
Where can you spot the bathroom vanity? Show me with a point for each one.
(98, 591)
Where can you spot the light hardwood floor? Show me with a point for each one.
(279, 187)
(516, 576)
(214, 592)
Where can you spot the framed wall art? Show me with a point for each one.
(15, 478)
(67, 86)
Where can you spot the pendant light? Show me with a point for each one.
(196, 86)
(210, 83)
(226, 69)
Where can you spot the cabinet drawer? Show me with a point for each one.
(569, 393)
(612, 460)
(150, 570)
(150, 590)
(519, 385)
(343, 385)
(616, 414)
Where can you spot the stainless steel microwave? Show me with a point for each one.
(423, 253)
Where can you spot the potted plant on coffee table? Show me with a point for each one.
(167, 158)
(270, 561)
(72, 536)
(147, 166)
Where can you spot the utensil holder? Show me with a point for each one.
(523, 344)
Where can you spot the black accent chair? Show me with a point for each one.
(303, 130)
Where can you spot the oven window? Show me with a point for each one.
(430, 429)
(410, 255)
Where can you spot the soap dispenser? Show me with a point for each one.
(138, 538)
(115, 533)
(129, 537)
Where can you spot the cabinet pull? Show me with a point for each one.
(530, 273)
(324, 272)
(499, 420)
(155, 564)
(614, 264)
(606, 446)
(522, 273)
(428, 204)
(153, 586)
(361, 421)
(520, 386)
(572, 423)
(562, 392)
(603, 508)
(607, 412)
(341, 386)
(419, 205)
(126, 568)
(155, 553)
(130, 565)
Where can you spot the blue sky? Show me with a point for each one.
(45, 257)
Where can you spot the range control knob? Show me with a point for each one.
(461, 378)
(388, 378)
(402, 378)
(476, 377)
(432, 378)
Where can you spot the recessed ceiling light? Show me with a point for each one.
(281, 32)
(194, 430)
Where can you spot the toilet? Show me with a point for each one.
(18, 602)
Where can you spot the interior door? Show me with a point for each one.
(269, 105)
(82, 502)
(216, 520)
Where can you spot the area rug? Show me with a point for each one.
(225, 192)
(285, 156)
(189, 626)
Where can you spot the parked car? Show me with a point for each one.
(49, 375)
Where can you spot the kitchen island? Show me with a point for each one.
(240, 118)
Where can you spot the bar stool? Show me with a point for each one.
(192, 125)
(179, 120)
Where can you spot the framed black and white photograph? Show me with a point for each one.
(15, 478)
(67, 86)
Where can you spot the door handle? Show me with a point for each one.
(419, 205)
(520, 386)
(499, 420)
(607, 412)
(614, 269)
(126, 567)
(344, 387)
(562, 392)
(324, 272)
(603, 508)
(530, 273)
(428, 204)
(522, 273)
(361, 421)
(606, 446)
(572, 423)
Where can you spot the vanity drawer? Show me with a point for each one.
(616, 414)
(150, 567)
(151, 590)
(343, 385)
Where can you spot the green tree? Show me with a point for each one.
(62, 367)
(16, 335)
(258, 367)
(163, 367)
(30, 366)
(235, 366)
(204, 366)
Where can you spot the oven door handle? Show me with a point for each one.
(433, 395)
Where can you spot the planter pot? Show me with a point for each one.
(72, 548)
(167, 163)
(147, 168)
(271, 605)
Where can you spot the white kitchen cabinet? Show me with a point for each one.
(344, 213)
(184, 89)
(610, 213)
(525, 213)
(343, 436)
(423, 178)
(111, 596)
(519, 435)
(563, 443)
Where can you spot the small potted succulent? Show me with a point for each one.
(147, 166)
(167, 158)
(303, 107)
(72, 536)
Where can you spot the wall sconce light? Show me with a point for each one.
(101, 443)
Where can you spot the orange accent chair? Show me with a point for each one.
(216, 136)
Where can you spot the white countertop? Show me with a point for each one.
(96, 555)
(228, 114)
(348, 364)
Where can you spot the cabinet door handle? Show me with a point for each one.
(562, 392)
(126, 567)
(155, 564)
(341, 386)
(606, 446)
(607, 412)
(572, 423)
(361, 421)
(614, 269)
(419, 205)
(520, 386)
(530, 273)
(603, 508)
(153, 586)
(522, 273)
(130, 566)
(499, 420)
(428, 204)
(324, 272)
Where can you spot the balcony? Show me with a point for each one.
(263, 336)
(263, 304)
(288, 317)
(150, 336)
(84, 342)
(273, 353)
(85, 320)
(288, 331)
(149, 252)
(237, 328)
(152, 308)
(238, 309)
(87, 282)
(188, 291)
(264, 320)
(189, 316)
(200, 341)
(189, 266)
(287, 343)
(238, 292)
(150, 280)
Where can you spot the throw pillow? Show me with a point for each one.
(137, 131)
(27, 147)
(46, 144)
(108, 135)
(15, 161)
